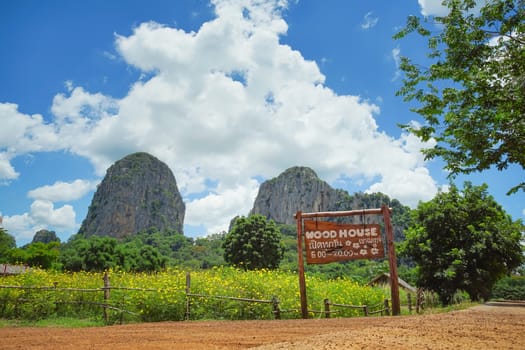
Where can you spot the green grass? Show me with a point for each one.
(63, 322)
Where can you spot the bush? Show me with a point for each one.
(510, 288)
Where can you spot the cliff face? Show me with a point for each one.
(297, 188)
(138, 192)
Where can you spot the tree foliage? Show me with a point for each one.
(463, 241)
(253, 243)
(38, 254)
(472, 95)
(101, 253)
(7, 242)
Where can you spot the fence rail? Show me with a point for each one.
(364, 308)
(106, 303)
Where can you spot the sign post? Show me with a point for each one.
(392, 262)
(302, 281)
(328, 242)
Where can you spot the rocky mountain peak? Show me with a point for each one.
(297, 188)
(139, 192)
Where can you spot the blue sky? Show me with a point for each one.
(227, 93)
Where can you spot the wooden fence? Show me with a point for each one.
(367, 310)
(330, 308)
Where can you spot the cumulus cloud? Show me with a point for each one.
(435, 7)
(42, 215)
(216, 209)
(20, 226)
(21, 133)
(80, 106)
(63, 191)
(223, 105)
(7, 172)
(432, 8)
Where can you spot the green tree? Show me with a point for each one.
(463, 241)
(150, 259)
(7, 242)
(253, 243)
(43, 255)
(138, 257)
(99, 253)
(70, 257)
(472, 92)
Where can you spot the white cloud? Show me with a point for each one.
(223, 104)
(432, 8)
(80, 106)
(63, 191)
(21, 133)
(217, 209)
(369, 21)
(20, 226)
(435, 7)
(7, 172)
(409, 186)
(42, 215)
(396, 56)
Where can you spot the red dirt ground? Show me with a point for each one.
(480, 327)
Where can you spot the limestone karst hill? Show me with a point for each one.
(138, 192)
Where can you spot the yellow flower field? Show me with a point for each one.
(162, 296)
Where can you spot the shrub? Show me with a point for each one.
(510, 288)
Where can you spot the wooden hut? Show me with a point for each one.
(7, 269)
(384, 278)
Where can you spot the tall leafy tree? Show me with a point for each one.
(99, 253)
(463, 240)
(7, 242)
(472, 93)
(253, 243)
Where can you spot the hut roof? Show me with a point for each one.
(384, 278)
(7, 269)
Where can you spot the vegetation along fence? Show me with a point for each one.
(222, 293)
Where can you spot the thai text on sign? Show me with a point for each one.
(329, 242)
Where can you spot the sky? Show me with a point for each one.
(228, 93)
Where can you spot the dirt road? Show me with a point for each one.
(481, 327)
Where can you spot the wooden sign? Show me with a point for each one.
(328, 242)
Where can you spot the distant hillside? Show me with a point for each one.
(139, 192)
(299, 188)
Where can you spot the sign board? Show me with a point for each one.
(328, 242)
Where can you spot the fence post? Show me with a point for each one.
(409, 300)
(106, 296)
(387, 308)
(188, 288)
(276, 309)
(365, 310)
(419, 300)
(327, 308)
